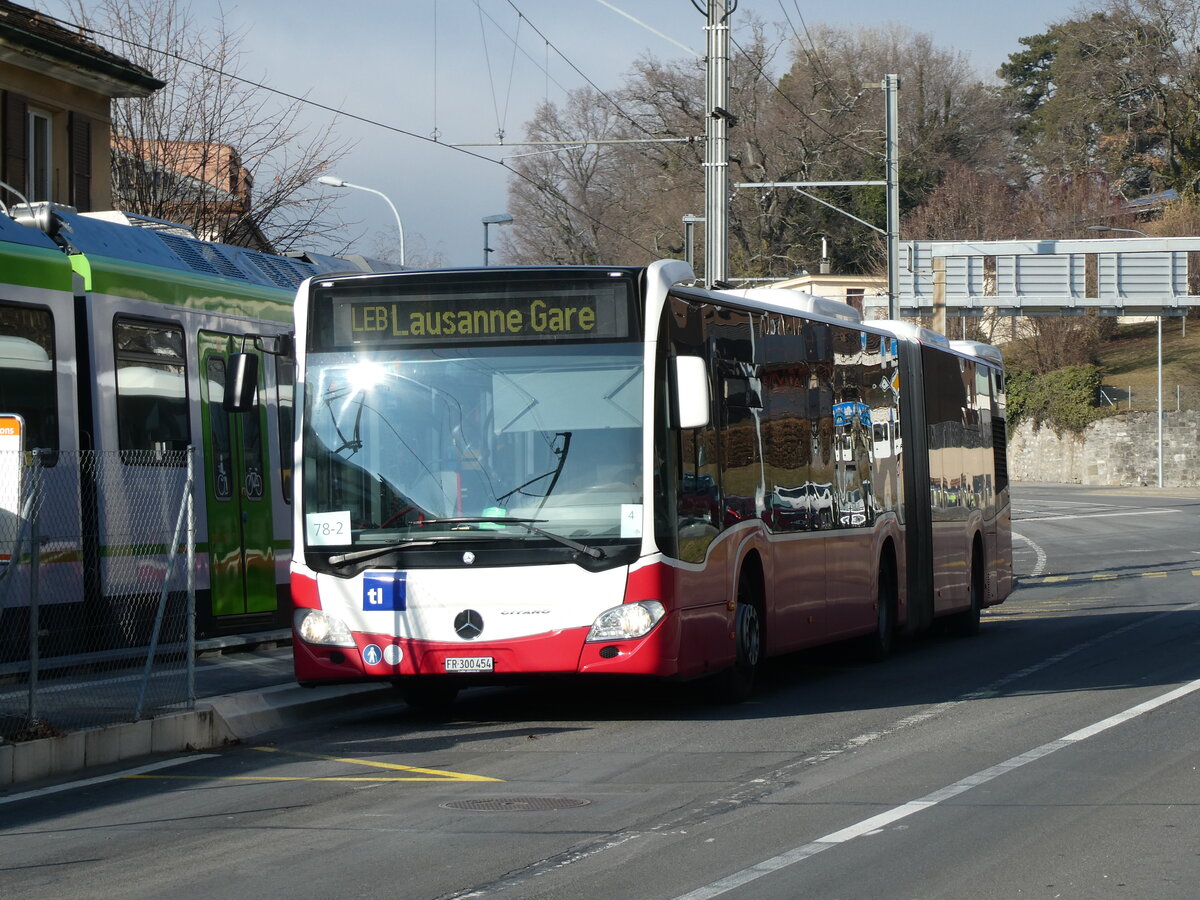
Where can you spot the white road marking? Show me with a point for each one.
(882, 820)
(1040, 566)
(1103, 515)
(101, 779)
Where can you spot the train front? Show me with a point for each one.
(469, 499)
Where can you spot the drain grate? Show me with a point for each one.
(516, 804)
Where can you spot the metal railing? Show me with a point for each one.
(97, 589)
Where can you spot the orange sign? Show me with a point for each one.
(11, 464)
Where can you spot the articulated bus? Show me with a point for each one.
(513, 472)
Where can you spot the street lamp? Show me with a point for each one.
(1111, 228)
(333, 181)
(1159, 319)
(497, 219)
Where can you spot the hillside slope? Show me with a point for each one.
(1129, 362)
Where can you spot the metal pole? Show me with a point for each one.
(891, 88)
(35, 558)
(1160, 404)
(716, 147)
(163, 595)
(486, 248)
(191, 578)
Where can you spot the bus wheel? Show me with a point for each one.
(878, 644)
(736, 683)
(966, 623)
(428, 694)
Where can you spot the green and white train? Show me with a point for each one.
(114, 337)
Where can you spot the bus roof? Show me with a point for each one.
(799, 301)
(980, 350)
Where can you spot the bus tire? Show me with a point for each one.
(428, 694)
(736, 683)
(966, 623)
(877, 646)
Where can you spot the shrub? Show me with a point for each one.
(1065, 399)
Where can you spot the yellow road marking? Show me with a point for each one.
(1103, 576)
(396, 767)
(372, 779)
(416, 773)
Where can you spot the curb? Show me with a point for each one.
(215, 721)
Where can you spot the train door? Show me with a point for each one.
(240, 545)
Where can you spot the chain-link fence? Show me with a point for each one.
(97, 592)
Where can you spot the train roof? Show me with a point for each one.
(14, 232)
(144, 241)
(159, 244)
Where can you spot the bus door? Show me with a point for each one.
(240, 547)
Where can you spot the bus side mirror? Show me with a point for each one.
(241, 383)
(691, 400)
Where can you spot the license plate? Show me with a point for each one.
(469, 664)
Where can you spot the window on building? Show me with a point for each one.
(40, 169)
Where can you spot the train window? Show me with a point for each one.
(152, 412)
(252, 455)
(218, 418)
(27, 383)
(285, 377)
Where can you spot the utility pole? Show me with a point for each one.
(716, 145)
(891, 90)
(891, 185)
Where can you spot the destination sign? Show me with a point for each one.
(525, 317)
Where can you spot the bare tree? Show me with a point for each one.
(232, 161)
(818, 123)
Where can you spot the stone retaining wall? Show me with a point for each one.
(1120, 450)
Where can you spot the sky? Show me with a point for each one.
(467, 70)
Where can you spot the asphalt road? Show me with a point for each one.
(1054, 755)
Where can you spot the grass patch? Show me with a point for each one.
(1129, 361)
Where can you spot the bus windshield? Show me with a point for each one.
(446, 442)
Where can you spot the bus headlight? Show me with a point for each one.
(629, 620)
(318, 627)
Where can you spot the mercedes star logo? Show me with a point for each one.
(468, 624)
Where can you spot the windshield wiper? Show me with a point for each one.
(339, 558)
(593, 552)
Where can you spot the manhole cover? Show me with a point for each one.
(516, 804)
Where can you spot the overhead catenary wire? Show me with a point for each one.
(814, 57)
(316, 104)
(543, 67)
(578, 71)
(435, 134)
(501, 117)
(654, 31)
(807, 116)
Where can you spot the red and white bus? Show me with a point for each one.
(601, 470)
